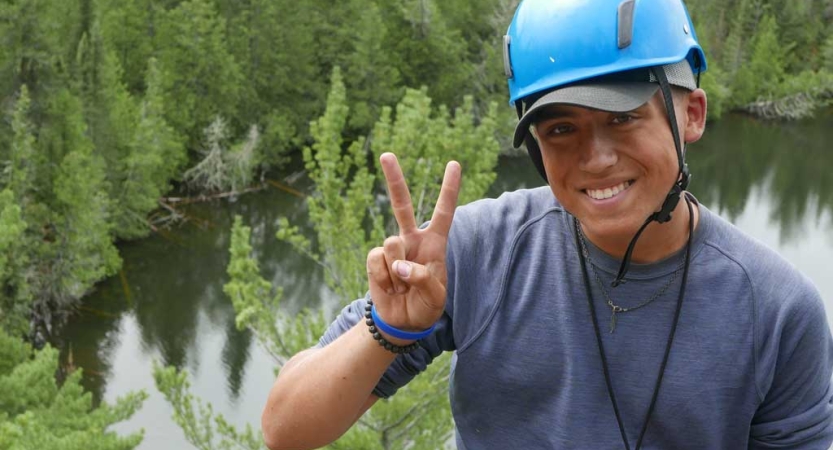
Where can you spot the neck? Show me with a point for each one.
(657, 242)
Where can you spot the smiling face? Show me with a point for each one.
(611, 169)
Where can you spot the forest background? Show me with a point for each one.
(114, 111)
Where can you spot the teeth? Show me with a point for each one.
(601, 194)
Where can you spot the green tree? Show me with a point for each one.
(202, 78)
(283, 88)
(430, 138)
(355, 36)
(19, 173)
(37, 413)
(156, 154)
(15, 296)
(17, 202)
(128, 27)
(763, 74)
(427, 50)
(80, 250)
(827, 53)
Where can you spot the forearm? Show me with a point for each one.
(320, 393)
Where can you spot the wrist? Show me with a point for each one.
(391, 338)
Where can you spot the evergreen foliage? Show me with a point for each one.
(156, 154)
(82, 250)
(258, 308)
(202, 78)
(38, 413)
(766, 57)
(202, 428)
(15, 296)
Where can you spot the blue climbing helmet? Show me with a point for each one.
(598, 54)
(551, 43)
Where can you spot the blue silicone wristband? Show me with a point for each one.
(396, 332)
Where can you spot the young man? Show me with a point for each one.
(608, 311)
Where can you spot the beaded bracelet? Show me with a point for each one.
(373, 321)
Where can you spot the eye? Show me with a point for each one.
(558, 129)
(622, 118)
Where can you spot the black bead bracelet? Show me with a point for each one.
(380, 339)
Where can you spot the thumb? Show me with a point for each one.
(419, 277)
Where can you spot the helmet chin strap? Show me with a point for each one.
(683, 177)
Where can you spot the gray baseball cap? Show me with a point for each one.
(620, 92)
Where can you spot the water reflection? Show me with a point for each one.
(791, 161)
(172, 285)
(168, 305)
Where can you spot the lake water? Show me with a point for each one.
(167, 305)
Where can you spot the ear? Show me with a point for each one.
(695, 113)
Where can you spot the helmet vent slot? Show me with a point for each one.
(626, 23)
(507, 63)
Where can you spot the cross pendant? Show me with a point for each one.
(613, 310)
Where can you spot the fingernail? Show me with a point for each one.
(402, 268)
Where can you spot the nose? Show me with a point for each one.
(598, 153)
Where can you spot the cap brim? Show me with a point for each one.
(613, 97)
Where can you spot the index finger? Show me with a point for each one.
(447, 201)
(400, 198)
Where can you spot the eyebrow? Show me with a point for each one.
(550, 113)
(559, 112)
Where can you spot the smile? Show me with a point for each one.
(610, 192)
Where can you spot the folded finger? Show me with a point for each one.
(395, 250)
(377, 271)
(431, 290)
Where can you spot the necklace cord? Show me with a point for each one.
(673, 324)
(599, 341)
(668, 345)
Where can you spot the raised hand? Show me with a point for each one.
(407, 276)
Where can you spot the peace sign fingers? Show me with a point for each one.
(400, 198)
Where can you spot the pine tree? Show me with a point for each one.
(283, 89)
(764, 73)
(37, 413)
(156, 154)
(19, 173)
(128, 28)
(15, 296)
(424, 139)
(81, 250)
(427, 51)
(827, 53)
(202, 78)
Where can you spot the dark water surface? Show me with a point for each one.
(167, 306)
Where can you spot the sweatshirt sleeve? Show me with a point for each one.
(796, 409)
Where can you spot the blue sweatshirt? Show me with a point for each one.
(750, 365)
